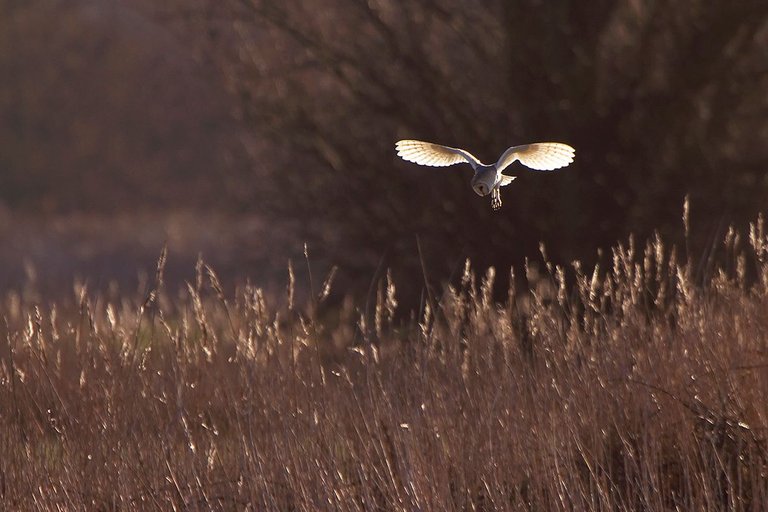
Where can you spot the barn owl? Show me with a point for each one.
(541, 156)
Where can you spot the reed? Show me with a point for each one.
(638, 384)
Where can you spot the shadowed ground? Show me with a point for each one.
(50, 254)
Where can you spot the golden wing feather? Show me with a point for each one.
(541, 156)
(434, 155)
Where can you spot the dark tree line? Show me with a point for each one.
(661, 99)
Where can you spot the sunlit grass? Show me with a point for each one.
(638, 384)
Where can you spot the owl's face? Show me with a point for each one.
(483, 181)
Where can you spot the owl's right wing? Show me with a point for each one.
(435, 155)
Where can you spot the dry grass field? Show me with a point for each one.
(639, 384)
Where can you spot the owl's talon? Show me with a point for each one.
(496, 200)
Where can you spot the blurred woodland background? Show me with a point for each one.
(243, 128)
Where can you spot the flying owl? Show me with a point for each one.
(540, 156)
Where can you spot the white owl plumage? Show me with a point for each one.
(540, 156)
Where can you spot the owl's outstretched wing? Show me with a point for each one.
(435, 155)
(506, 180)
(541, 156)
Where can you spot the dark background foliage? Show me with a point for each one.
(289, 110)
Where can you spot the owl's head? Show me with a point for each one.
(482, 182)
(481, 189)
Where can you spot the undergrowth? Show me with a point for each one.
(638, 384)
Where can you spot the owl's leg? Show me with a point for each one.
(496, 198)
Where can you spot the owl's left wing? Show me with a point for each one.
(541, 156)
(506, 180)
